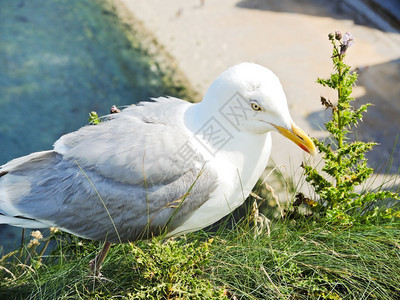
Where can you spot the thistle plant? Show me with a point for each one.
(345, 164)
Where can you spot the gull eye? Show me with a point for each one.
(255, 106)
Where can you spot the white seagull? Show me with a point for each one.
(162, 167)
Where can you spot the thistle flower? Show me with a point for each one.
(348, 39)
(347, 42)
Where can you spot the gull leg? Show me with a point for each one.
(95, 263)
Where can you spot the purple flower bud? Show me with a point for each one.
(338, 35)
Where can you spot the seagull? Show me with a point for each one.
(162, 167)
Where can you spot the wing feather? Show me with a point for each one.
(140, 143)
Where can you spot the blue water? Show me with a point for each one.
(59, 60)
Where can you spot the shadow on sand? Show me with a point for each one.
(364, 12)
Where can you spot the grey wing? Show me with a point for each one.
(143, 143)
(115, 200)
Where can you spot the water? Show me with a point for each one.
(59, 60)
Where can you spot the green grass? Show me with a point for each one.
(299, 260)
(311, 261)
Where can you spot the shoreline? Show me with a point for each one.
(173, 76)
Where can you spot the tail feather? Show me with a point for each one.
(14, 185)
(21, 222)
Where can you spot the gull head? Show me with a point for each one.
(251, 98)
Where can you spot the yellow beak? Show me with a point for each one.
(299, 137)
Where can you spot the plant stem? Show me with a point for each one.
(339, 118)
(44, 249)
